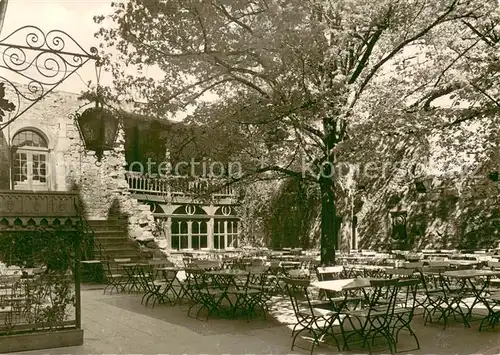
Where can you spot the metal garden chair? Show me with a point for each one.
(374, 320)
(317, 322)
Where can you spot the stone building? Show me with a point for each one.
(42, 151)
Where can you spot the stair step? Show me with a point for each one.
(106, 222)
(107, 225)
(114, 242)
(105, 232)
(112, 238)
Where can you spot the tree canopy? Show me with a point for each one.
(304, 82)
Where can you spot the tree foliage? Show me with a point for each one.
(303, 81)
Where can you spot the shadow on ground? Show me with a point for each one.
(273, 335)
(175, 314)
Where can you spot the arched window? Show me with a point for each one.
(30, 160)
(189, 228)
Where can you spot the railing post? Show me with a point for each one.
(76, 273)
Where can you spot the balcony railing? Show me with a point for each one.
(179, 186)
(38, 204)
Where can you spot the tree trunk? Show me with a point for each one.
(329, 221)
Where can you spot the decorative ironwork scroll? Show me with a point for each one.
(45, 60)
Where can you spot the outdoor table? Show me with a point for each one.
(458, 262)
(339, 305)
(94, 269)
(132, 274)
(366, 270)
(287, 265)
(467, 276)
(226, 277)
(344, 284)
(207, 264)
(170, 282)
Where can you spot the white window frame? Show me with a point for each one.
(189, 233)
(198, 235)
(226, 234)
(30, 183)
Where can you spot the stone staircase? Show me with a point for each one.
(114, 242)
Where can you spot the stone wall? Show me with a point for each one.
(101, 185)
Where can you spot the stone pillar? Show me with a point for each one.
(210, 233)
(168, 232)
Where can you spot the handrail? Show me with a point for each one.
(178, 185)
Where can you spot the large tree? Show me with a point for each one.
(297, 77)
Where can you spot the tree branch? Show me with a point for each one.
(222, 9)
(396, 50)
(366, 55)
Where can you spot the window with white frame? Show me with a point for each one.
(232, 234)
(189, 230)
(219, 234)
(225, 228)
(30, 155)
(225, 233)
(199, 235)
(180, 234)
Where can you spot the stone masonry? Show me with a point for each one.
(70, 166)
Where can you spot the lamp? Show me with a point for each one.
(98, 129)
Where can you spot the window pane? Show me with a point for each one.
(235, 227)
(184, 227)
(29, 138)
(203, 227)
(184, 241)
(203, 241)
(175, 227)
(175, 242)
(195, 242)
(20, 167)
(229, 227)
(221, 242)
(195, 227)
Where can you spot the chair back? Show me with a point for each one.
(329, 273)
(413, 265)
(299, 273)
(386, 290)
(409, 290)
(439, 264)
(431, 277)
(398, 273)
(297, 290)
(122, 260)
(494, 265)
(257, 262)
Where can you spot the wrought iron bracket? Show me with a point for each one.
(44, 59)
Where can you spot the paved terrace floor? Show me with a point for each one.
(118, 324)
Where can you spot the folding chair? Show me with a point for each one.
(403, 312)
(316, 321)
(375, 319)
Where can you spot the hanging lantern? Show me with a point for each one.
(98, 128)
